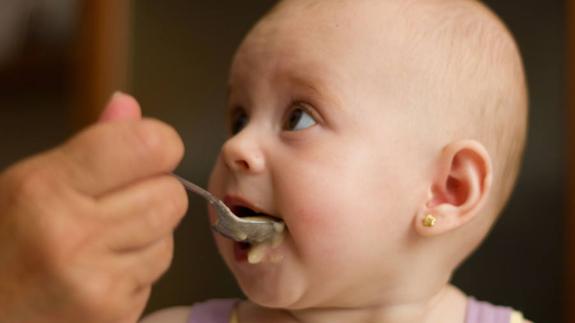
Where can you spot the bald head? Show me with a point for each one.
(478, 73)
(450, 66)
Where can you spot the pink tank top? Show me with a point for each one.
(483, 312)
(219, 311)
(212, 311)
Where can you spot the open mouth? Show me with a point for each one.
(243, 247)
(246, 212)
(246, 251)
(243, 209)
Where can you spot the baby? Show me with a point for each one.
(387, 135)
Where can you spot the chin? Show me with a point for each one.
(270, 286)
(267, 284)
(268, 298)
(288, 299)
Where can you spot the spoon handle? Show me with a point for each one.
(196, 189)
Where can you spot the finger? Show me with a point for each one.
(146, 266)
(134, 305)
(108, 156)
(121, 107)
(140, 301)
(143, 213)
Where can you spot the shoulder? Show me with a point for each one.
(517, 317)
(178, 314)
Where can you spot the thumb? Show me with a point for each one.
(121, 107)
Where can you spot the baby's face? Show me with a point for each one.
(318, 139)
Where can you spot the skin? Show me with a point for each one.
(86, 228)
(382, 150)
(329, 255)
(351, 188)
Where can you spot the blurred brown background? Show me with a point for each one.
(61, 59)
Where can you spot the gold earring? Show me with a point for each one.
(429, 221)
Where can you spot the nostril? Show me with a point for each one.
(242, 164)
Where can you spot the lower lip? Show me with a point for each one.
(241, 250)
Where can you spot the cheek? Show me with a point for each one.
(324, 203)
(216, 185)
(216, 182)
(344, 203)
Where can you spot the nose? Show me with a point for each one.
(243, 153)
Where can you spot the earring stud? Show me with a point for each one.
(429, 221)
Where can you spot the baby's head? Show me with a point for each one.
(352, 120)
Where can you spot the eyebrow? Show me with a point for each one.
(312, 84)
(317, 87)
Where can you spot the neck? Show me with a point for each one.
(447, 305)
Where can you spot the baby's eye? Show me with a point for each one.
(238, 121)
(299, 119)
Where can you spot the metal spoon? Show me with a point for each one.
(251, 229)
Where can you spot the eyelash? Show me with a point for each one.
(239, 118)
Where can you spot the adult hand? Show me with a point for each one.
(87, 227)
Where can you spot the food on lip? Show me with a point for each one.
(257, 253)
(279, 228)
(260, 251)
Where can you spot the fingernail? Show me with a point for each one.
(117, 95)
(105, 114)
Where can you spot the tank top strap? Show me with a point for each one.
(484, 312)
(212, 311)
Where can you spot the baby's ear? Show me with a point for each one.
(459, 191)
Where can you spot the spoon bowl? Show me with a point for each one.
(255, 229)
